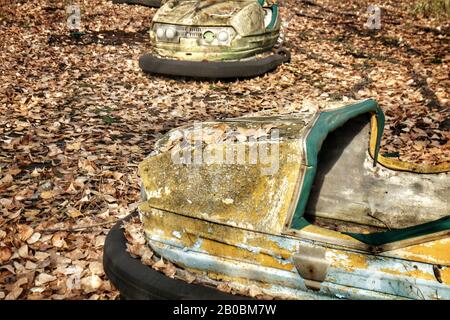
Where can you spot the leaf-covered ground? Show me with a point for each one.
(77, 116)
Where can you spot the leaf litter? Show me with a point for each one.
(77, 116)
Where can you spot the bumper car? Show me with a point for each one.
(214, 39)
(147, 3)
(300, 205)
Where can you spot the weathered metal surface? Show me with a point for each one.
(243, 254)
(228, 219)
(348, 188)
(249, 192)
(193, 12)
(214, 267)
(244, 20)
(434, 252)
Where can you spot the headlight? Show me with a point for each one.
(223, 36)
(171, 33)
(209, 36)
(160, 32)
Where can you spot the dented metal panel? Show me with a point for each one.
(229, 182)
(368, 195)
(270, 260)
(227, 220)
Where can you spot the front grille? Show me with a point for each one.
(193, 33)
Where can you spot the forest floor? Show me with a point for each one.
(77, 116)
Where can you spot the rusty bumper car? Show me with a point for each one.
(215, 39)
(300, 205)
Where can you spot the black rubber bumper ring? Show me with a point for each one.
(148, 3)
(213, 69)
(137, 281)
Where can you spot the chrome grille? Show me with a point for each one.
(193, 32)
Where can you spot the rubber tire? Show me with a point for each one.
(137, 281)
(213, 69)
(147, 3)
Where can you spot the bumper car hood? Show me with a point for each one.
(257, 173)
(252, 172)
(211, 13)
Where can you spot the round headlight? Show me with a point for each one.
(223, 36)
(160, 32)
(171, 33)
(209, 36)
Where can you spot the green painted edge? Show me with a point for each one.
(261, 2)
(384, 237)
(325, 123)
(303, 223)
(274, 16)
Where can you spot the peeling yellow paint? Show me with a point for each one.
(329, 233)
(259, 242)
(217, 240)
(434, 252)
(445, 275)
(418, 274)
(261, 200)
(348, 261)
(223, 250)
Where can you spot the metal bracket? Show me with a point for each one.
(311, 265)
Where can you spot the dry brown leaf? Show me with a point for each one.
(58, 239)
(91, 283)
(34, 238)
(224, 287)
(73, 146)
(5, 254)
(14, 293)
(44, 278)
(23, 251)
(47, 194)
(25, 231)
(96, 268)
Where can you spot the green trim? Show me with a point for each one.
(308, 180)
(261, 2)
(272, 23)
(302, 222)
(325, 123)
(380, 238)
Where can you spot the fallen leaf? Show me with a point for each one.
(96, 268)
(91, 283)
(25, 231)
(58, 239)
(14, 294)
(23, 251)
(47, 194)
(5, 254)
(34, 238)
(44, 278)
